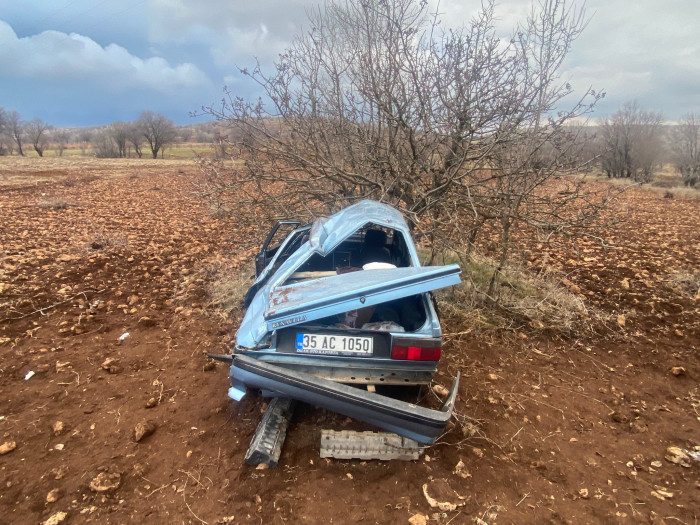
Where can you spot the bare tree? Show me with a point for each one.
(632, 143)
(135, 136)
(15, 128)
(686, 147)
(119, 131)
(158, 130)
(37, 133)
(457, 128)
(5, 141)
(103, 144)
(84, 137)
(61, 137)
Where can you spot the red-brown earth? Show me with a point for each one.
(549, 429)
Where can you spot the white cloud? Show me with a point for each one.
(52, 55)
(645, 50)
(234, 32)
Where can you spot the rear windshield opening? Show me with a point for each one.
(370, 244)
(401, 315)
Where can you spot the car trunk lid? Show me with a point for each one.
(318, 298)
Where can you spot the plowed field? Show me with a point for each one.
(548, 430)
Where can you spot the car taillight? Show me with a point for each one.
(415, 353)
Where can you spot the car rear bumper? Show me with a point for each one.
(419, 423)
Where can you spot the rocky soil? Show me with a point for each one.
(111, 413)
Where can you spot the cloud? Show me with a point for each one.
(235, 32)
(177, 54)
(52, 56)
(640, 50)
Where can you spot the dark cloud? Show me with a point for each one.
(106, 61)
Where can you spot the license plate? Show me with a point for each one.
(325, 344)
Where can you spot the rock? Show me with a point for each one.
(209, 366)
(440, 390)
(638, 426)
(144, 428)
(133, 300)
(440, 495)
(138, 469)
(42, 369)
(58, 427)
(151, 402)
(461, 470)
(55, 519)
(665, 493)
(418, 519)
(678, 456)
(478, 452)
(678, 371)
(583, 493)
(621, 320)
(618, 418)
(661, 494)
(62, 366)
(111, 364)
(53, 496)
(7, 446)
(105, 482)
(656, 464)
(59, 472)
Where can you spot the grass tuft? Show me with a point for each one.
(687, 282)
(227, 281)
(523, 300)
(53, 204)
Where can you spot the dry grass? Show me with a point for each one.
(226, 285)
(523, 300)
(687, 282)
(667, 181)
(103, 240)
(53, 204)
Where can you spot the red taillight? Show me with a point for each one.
(416, 353)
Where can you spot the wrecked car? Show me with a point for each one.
(338, 307)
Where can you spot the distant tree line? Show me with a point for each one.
(151, 134)
(635, 143)
(632, 143)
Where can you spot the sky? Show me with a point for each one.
(93, 62)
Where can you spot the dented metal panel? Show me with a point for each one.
(406, 419)
(319, 298)
(325, 235)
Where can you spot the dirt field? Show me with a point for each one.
(549, 430)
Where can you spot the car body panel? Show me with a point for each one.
(318, 298)
(327, 232)
(325, 235)
(406, 419)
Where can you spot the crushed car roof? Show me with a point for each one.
(327, 232)
(277, 305)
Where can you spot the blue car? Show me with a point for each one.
(340, 306)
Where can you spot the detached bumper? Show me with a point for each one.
(421, 424)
